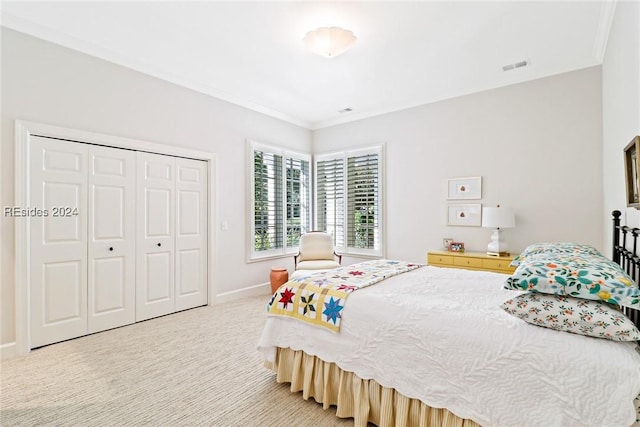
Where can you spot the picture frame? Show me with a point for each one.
(465, 215)
(632, 172)
(464, 188)
(456, 247)
(446, 242)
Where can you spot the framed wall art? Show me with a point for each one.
(464, 188)
(466, 215)
(631, 172)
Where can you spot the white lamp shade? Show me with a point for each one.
(329, 41)
(498, 217)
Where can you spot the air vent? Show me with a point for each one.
(345, 110)
(515, 65)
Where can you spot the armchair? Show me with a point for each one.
(316, 252)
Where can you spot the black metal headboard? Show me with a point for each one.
(624, 238)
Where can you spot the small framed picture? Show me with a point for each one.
(456, 247)
(632, 172)
(446, 242)
(466, 215)
(464, 188)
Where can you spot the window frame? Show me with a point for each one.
(285, 250)
(343, 247)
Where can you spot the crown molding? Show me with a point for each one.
(607, 12)
(21, 25)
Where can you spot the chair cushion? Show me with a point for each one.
(317, 265)
(316, 245)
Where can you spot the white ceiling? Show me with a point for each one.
(251, 53)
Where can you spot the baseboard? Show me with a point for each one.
(252, 291)
(8, 351)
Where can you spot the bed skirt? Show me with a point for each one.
(363, 400)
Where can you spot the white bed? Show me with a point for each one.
(439, 335)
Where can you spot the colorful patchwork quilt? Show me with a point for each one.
(319, 298)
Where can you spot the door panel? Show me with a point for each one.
(58, 242)
(155, 281)
(59, 227)
(190, 264)
(60, 160)
(159, 283)
(157, 218)
(111, 285)
(109, 214)
(62, 282)
(109, 275)
(191, 234)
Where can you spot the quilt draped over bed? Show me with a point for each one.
(319, 298)
(439, 335)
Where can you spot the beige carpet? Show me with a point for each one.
(198, 367)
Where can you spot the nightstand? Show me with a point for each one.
(471, 261)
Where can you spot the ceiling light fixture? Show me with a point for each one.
(329, 41)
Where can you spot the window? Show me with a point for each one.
(280, 186)
(348, 199)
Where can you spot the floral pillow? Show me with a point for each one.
(578, 316)
(555, 248)
(590, 277)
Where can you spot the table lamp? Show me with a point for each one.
(497, 218)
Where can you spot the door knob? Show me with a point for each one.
(111, 248)
(159, 244)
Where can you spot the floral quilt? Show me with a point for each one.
(319, 298)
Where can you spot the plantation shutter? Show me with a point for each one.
(268, 201)
(298, 196)
(330, 196)
(363, 201)
(280, 202)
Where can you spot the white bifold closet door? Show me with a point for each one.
(120, 236)
(83, 250)
(191, 233)
(112, 239)
(171, 244)
(58, 261)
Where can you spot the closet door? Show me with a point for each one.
(155, 259)
(112, 240)
(191, 233)
(58, 240)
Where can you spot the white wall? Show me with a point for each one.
(44, 82)
(537, 145)
(621, 110)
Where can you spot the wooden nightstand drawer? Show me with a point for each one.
(471, 261)
(497, 264)
(463, 261)
(440, 259)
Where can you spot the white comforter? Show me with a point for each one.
(439, 335)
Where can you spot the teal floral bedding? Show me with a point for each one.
(580, 275)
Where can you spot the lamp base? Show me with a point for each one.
(496, 246)
(498, 253)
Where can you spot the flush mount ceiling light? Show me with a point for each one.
(329, 41)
